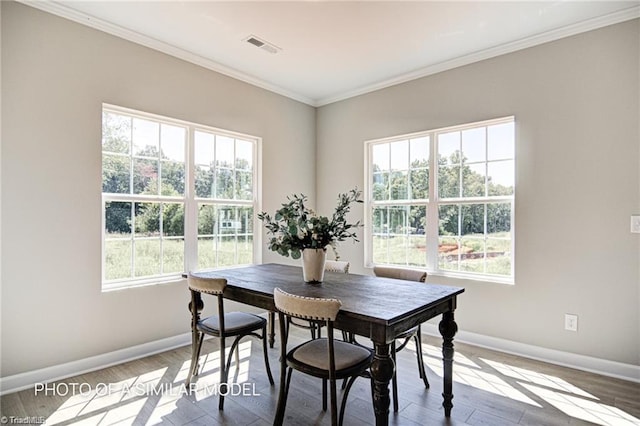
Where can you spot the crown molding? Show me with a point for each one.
(118, 31)
(152, 43)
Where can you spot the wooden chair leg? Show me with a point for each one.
(349, 382)
(223, 375)
(324, 394)
(421, 368)
(196, 346)
(266, 356)
(285, 381)
(334, 402)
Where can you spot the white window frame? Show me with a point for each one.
(433, 202)
(189, 199)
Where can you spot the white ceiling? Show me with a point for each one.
(331, 50)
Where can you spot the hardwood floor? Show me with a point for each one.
(490, 388)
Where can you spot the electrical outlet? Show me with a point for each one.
(570, 322)
(635, 223)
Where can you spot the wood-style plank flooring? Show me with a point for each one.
(490, 388)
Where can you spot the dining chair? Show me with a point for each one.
(324, 358)
(221, 325)
(414, 333)
(329, 266)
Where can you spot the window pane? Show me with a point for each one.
(399, 185)
(472, 255)
(418, 220)
(173, 219)
(474, 145)
(498, 256)
(117, 219)
(147, 220)
(380, 249)
(226, 250)
(172, 255)
(499, 220)
(224, 151)
(204, 181)
(172, 141)
(501, 141)
(145, 176)
(206, 252)
(147, 257)
(473, 184)
(116, 174)
(449, 148)
(501, 177)
(116, 133)
(381, 186)
(245, 250)
(146, 135)
(448, 253)
(417, 251)
(398, 235)
(227, 221)
(380, 157)
(204, 148)
(397, 250)
(472, 219)
(245, 217)
(398, 220)
(244, 155)
(448, 220)
(172, 178)
(400, 155)
(206, 219)
(244, 185)
(224, 183)
(449, 182)
(419, 183)
(379, 217)
(419, 149)
(117, 261)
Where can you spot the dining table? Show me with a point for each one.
(373, 307)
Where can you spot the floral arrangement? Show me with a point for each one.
(295, 227)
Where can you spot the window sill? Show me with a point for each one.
(477, 278)
(125, 285)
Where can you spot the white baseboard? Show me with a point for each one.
(604, 367)
(28, 379)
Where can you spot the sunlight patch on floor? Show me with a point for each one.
(109, 401)
(104, 396)
(537, 378)
(584, 409)
(570, 399)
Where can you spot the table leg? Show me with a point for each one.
(272, 328)
(448, 329)
(381, 373)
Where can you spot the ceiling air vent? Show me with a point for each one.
(262, 44)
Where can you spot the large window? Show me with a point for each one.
(443, 200)
(176, 196)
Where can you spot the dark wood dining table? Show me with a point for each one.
(373, 307)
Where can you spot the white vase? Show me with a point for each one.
(313, 264)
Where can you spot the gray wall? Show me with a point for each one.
(55, 76)
(577, 175)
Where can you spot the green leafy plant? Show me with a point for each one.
(295, 227)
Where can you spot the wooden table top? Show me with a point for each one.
(373, 299)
